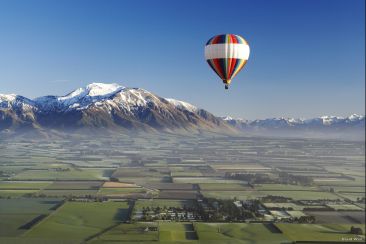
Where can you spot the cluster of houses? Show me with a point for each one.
(234, 211)
(170, 213)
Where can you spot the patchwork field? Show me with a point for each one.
(188, 189)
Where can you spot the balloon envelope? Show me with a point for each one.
(227, 54)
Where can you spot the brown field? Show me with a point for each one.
(110, 184)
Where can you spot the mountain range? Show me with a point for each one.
(109, 106)
(354, 120)
(113, 106)
(351, 127)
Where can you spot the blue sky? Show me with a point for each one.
(307, 57)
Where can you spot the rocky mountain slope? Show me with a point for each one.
(110, 106)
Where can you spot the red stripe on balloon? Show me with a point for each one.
(229, 62)
(218, 68)
(215, 40)
(235, 40)
(232, 66)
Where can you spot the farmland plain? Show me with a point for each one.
(162, 188)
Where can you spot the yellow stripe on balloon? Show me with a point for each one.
(241, 65)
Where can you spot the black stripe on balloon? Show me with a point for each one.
(222, 62)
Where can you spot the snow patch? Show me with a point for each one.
(8, 97)
(182, 105)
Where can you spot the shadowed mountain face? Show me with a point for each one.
(106, 106)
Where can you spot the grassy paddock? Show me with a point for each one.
(130, 232)
(22, 185)
(176, 232)
(79, 220)
(239, 233)
(315, 232)
(15, 213)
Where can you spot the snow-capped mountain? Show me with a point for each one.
(113, 106)
(106, 105)
(322, 121)
(182, 105)
(80, 98)
(326, 126)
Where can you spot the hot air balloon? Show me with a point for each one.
(227, 54)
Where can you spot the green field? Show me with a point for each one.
(345, 189)
(15, 213)
(344, 207)
(352, 196)
(294, 206)
(10, 223)
(314, 232)
(239, 233)
(52, 174)
(282, 187)
(176, 232)
(120, 191)
(27, 205)
(129, 232)
(225, 187)
(16, 193)
(77, 220)
(295, 195)
(138, 172)
(241, 195)
(186, 173)
(357, 182)
(70, 192)
(74, 185)
(198, 180)
(145, 180)
(22, 185)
